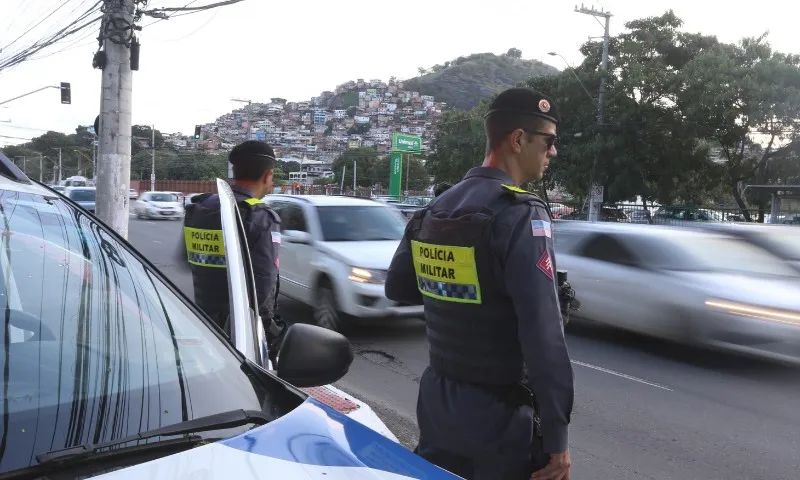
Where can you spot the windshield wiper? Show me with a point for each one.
(233, 418)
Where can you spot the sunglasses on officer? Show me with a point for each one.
(551, 137)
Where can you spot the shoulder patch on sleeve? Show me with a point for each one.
(276, 237)
(541, 228)
(545, 264)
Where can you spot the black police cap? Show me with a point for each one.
(526, 102)
(253, 151)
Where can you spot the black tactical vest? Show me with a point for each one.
(471, 323)
(205, 250)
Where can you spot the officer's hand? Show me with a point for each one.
(557, 468)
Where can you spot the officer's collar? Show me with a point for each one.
(490, 172)
(241, 190)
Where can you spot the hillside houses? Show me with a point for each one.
(360, 113)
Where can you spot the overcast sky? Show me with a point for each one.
(192, 65)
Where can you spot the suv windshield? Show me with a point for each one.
(163, 197)
(96, 347)
(83, 195)
(360, 223)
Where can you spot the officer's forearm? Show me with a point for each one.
(401, 280)
(548, 365)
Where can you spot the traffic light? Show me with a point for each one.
(197, 132)
(66, 93)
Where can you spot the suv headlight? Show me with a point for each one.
(367, 275)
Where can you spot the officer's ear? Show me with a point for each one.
(268, 175)
(516, 138)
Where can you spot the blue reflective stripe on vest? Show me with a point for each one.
(445, 289)
(206, 260)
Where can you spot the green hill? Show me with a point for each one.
(465, 81)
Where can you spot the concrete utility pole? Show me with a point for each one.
(596, 191)
(59, 166)
(41, 166)
(153, 167)
(114, 137)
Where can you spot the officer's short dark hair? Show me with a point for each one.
(251, 160)
(517, 108)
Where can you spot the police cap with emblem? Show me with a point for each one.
(524, 101)
(251, 159)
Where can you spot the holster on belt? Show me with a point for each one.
(522, 395)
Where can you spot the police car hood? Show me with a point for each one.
(371, 254)
(312, 442)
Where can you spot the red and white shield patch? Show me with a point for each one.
(546, 265)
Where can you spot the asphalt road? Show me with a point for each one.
(644, 409)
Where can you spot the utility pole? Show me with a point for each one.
(596, 191)
(59, 166)
(114, 137)
(355, 192)
(41, 166)
(153, 167)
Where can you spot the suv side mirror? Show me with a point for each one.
(297, 236)
(312, 356)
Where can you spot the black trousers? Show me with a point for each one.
(478, 433)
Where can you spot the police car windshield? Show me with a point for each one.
(360, 223)
(88, 195)
(95, 346)
(163, 197)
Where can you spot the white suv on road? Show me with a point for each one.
(334, 255)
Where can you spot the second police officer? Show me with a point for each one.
(253, 163)
(496, 399)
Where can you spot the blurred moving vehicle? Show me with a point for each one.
(683, 284)
(153, 205)
(334, 254)
(110, 369)
(782, 241)
(83, 196)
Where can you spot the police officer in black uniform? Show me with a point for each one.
(253, 165)
(496, 400)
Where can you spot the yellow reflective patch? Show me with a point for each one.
(205, 248)
(515, 189)
(446, 272)
(253, 201)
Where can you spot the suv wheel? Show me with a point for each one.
(326, 311)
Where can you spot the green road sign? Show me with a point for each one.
(406, 143)
(396, 174)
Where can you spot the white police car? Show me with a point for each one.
(110, 371)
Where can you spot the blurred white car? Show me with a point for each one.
(683, 284)
(152, 205)
(334, 255)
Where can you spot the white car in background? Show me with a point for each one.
(152, 205)
(334, 255)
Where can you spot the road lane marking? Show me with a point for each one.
(618, 374)
(156, 241)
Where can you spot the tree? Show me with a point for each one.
(514, 53)
(459, 144)
(746, 99)
(364, 159)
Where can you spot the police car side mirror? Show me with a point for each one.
(312, 356)
(297, 236)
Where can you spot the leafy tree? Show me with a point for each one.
(372, 168)
(746, 99)
(514, 53)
